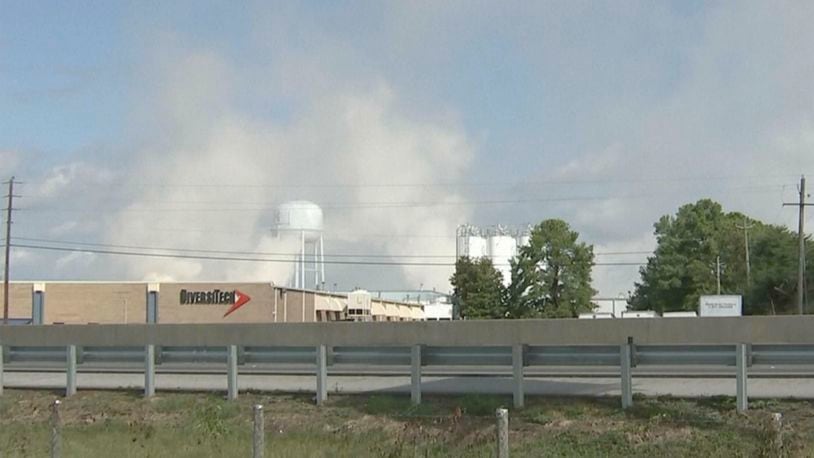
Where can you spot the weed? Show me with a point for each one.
(211, 420)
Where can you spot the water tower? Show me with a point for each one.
(301, 222)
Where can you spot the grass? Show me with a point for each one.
(121, 425)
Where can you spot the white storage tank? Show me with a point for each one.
(502, 249)
(524, 239)
(475, 247)
(470, 242)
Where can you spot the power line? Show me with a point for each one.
(262, 253)
(369, 205)
(254, 259)
(553, 182)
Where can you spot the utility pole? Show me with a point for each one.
(801, 235)
(718, 271)
(9, 209)
(746, 226)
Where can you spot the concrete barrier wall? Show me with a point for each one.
(755, 330)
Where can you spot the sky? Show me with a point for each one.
(184, 124)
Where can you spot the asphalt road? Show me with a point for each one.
(551, 386)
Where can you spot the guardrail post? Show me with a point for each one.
(259, 434)
(415, 374)
(231, 372)
(56, 431)
(149, 370)
(38, 304)
(502, 433)
(517, 372)
(152, 302)
(740, 377)
(626, 375)
(322, 374)
(70, 372)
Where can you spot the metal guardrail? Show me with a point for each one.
(572, 355)
(779, 355)
(517, 357)
(671, 355)
(533, 355)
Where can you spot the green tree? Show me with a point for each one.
(478, 289)
(684, 262)
(551, 276)
(683, 266)
(773, 290)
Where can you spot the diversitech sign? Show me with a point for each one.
(234, 298)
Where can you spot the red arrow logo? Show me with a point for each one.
(240, 300)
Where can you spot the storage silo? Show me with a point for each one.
(524, 239)
(470, 242)
(502, 249)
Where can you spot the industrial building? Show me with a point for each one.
(437, 306)
(62, 302)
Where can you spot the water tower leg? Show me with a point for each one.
(297, 273)
(316, 266)
(322, 259)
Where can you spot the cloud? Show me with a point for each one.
(625, 114)
(8, 161)
(742, 108)
(219, 173)
(71, 177)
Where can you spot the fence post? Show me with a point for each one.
(625, 355)
(777, 429)
(415, 374)
(322, 374)
(517, 371)
(149, 370)
(740, 377)
(70, 372)
(231, 372)
(259, 436)
(502, 433)
(56, 431)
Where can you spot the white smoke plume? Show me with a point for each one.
(216, 175)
